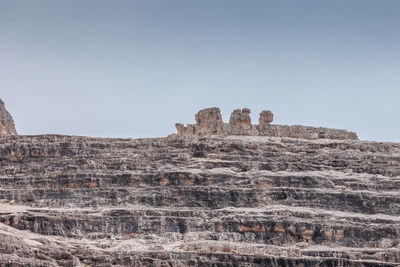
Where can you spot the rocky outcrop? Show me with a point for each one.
(266, 117)
(208, 122)
(240, 124)
(240, 118)
(7, 126)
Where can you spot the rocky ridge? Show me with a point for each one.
(199, 200)
(209, 122)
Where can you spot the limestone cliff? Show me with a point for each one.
(199, 200)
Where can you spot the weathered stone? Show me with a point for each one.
(7, 126)
(198, 200)
(266, 117)
(194, 200)
(180, 128)
(306, 132)
(240, 118)
(209, 122)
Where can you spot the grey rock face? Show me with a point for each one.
(198, 201)
(7, 126)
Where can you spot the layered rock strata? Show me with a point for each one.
(7, 126)
(198, 201)
(190, 200)
(240, 124)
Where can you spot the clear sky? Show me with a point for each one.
(134, 68)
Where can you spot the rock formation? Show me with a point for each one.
(7, 126)
(209, 121)
(200, 199)
(266, 117)
(240, 118)
(240, 124)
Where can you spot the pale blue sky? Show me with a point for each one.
(134, 68)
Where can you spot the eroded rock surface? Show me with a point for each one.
(240, 124)
(7, 126)
(266, 117)
(198, 201)
(240, 118)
